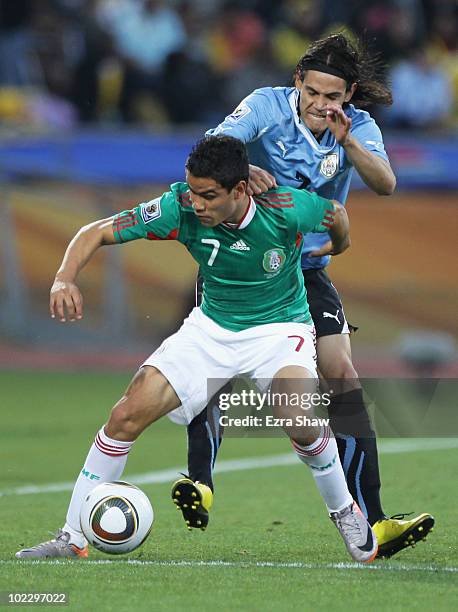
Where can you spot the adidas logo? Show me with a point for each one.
(239, 246)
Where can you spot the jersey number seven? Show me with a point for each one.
(215, 244)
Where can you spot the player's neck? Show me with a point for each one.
(318, 136)
(241, 211)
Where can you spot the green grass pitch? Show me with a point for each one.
(269, 545)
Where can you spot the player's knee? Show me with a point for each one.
(125, 423)
(148, 397)
(294, 373)
(339, 368)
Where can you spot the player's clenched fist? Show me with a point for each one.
(260, 181)
(65, 297)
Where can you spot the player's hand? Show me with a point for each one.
(65, 300)
(260, 181)
(326, 249)
(338, 123)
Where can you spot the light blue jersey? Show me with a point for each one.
(279, 142)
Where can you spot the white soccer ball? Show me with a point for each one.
(116, 517)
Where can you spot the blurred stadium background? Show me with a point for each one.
(100, 102)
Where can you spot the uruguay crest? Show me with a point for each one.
(329, 165)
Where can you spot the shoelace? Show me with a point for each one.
(401, 516)
(59, 536)
(349, 525)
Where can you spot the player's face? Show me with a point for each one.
(318, 89)
(213, 204)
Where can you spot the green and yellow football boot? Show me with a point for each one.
(194, 499)
(395, 533)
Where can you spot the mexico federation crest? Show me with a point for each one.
(151, 210)
(273, 260)
(329, 165)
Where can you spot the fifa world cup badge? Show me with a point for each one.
(241, 111)
(151, 210)
(329, 165)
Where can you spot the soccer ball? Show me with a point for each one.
(116, 517)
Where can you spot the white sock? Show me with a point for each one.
(322, 457)
(106, 461)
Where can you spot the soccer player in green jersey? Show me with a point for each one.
(252, 320)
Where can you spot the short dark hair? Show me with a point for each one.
(222, 158)
(351, 61)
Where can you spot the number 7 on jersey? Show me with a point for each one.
(215, 244)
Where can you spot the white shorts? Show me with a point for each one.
(202, 354)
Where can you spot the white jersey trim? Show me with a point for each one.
(251, 210)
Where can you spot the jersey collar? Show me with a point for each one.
(294, 104)
(247, 217)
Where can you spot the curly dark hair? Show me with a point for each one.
(222, 158)
(352, 62)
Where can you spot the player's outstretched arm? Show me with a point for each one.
(339, 233)
(65, 300)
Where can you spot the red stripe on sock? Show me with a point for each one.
(111, 454)
(105, 452)
(109, 446)
(107, 449)
(300, 450)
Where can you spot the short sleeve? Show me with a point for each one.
(158, 219)
(313, 213)
(246, 122)
(369, 135)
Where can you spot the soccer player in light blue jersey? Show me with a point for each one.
(313, 135)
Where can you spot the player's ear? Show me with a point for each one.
(349, 93)
(298, 82)
(240, 189)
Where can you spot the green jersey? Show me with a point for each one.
(251, 271)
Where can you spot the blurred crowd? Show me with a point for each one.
(167, 62)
